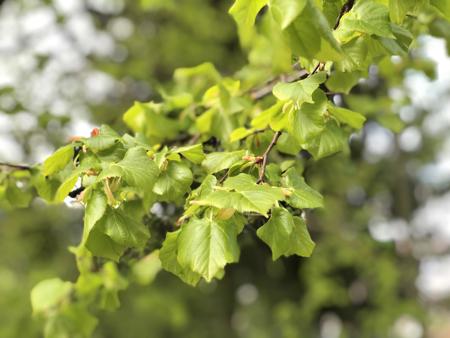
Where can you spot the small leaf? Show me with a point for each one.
(330, 141)
(193, 153)
(105, 139)
(347, 116)
(286, 235)
(218, 161)
(302, 196)
(58, 160)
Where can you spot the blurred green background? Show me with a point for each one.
(381, 267)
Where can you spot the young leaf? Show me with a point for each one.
(244, 13)
(347, 116)
(300, 91)
(330, 141)
(218, 161)
(285, 11)
(193, 153)
(303, 196)
(106, 138)
(58, 161)
(367, 16)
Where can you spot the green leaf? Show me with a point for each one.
(136, 168)
(174, 182)
(206, 246)
(311, 37)
(244, 195)
(147, 268)
(308, 121)
(193, 153)
(58, 160)
(244, 13)
(366, 17)
(240, 133)
(286, 235)
(342, 82)
(105, 139)
(218, 161)
(101, 245)
(302, 195)
(285, 11)
(122, 227)
(168, 256)
(95, 209)
(347, 116)
(66, 187)
(299, 91)
(398, 10)
(330, 141)
(49, 294)
(443, 6)
(149, 119)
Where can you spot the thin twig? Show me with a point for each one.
(265, 156)
(15, 166)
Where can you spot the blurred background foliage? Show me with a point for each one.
(381, 266)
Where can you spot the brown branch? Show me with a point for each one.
(265, 156)
(15, 166)
(346, 8)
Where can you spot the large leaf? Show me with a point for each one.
(58, 160)
(168, 256)
(244, 13)
(286, 235)
(206, 246)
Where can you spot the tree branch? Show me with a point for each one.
(346, 8)
(272, 144)
(15, 166)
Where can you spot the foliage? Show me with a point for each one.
(228, 152)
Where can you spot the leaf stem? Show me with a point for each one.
(15, 166)
(265, 156)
